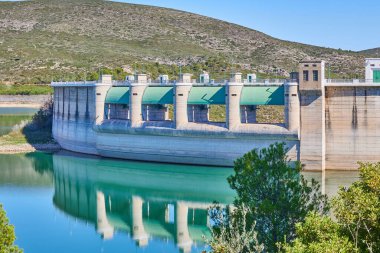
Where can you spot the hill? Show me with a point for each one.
(374, 52)
(43, 40)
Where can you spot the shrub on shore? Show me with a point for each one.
(7, 234)
(284, 219)
(38, 130)
(356, 227)
(273, 195)
(19, 89)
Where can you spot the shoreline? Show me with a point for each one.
(26, 148)
(21, 105)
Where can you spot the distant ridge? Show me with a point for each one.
(374, 52)
(42, 39)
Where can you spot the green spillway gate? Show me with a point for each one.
(118, 95)
(266, 95)
(376, 76)
(206, 95)
(158, 95)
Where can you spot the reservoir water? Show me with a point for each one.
(66, 202)
(11, 116)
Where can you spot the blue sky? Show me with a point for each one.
(346, 24)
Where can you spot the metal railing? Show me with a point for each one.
(347, 81)
(194, 82)
(120, 83)
(268, 81)
(351, 81)
(73, 82)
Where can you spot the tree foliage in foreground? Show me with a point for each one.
(357, 225)
(319, 234)
(231, 233)
(357, 209)
(7, 235)
(279, 205)
(275, 195)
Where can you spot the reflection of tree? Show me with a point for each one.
(42, 162)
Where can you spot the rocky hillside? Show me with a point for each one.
(374, 52)
(60, 39)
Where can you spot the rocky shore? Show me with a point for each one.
(26, 147)
(32, 101)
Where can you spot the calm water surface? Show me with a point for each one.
(11, 116)
(65, 202)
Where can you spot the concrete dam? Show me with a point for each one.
(328, 125)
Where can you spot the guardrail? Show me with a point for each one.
(194, 82)
(350, 81)
(74, 82)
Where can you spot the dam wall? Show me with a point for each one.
(352, 125)
(73, 118)
(188, 146)
(131, 121)
(329, 124)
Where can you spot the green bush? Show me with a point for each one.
(7, 234)
(20, 89)
(319, 234)
(356, 227)
(275, 195)
(357, 209)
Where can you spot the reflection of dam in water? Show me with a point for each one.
(144, 200)
(149, 200)
(137, 203)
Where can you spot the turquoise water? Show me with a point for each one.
(11, 116)
(67, 203)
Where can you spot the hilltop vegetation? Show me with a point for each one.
(44, 40)
(374, 52)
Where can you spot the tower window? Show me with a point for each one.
(306, 75)
(315, 75)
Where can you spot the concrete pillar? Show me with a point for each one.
(182, 90)
(82, 100)
(233, 92)
(292, 106)
(66, 106)
(60, 101)
(103, 226)
(312, 126)
(136, 90)
(73, 103)
(248, 114)
(101, 89)
(55, 109)
(167, 112)
(184, 241)
(139, 234)
(55, 101)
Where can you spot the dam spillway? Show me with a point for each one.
(329, 124)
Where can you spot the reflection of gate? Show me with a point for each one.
(376, 76)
